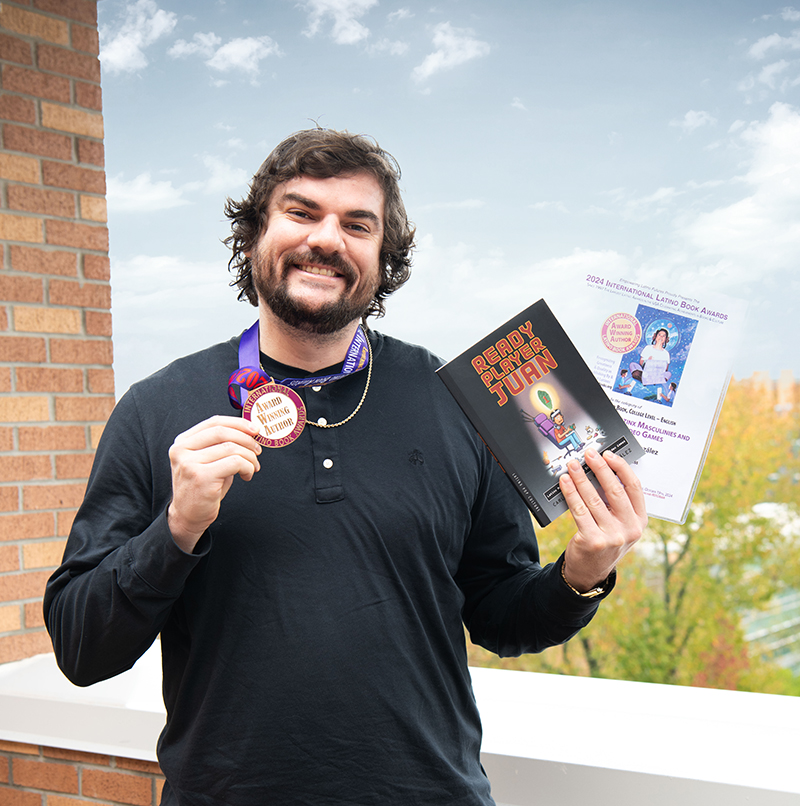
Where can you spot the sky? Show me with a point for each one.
(540, 144)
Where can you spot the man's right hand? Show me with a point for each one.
(204, 461)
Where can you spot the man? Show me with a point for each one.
(310, 597)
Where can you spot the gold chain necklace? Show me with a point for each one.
(363, 396)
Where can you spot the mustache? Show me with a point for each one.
(335, 262)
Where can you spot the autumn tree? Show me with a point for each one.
(675, 615)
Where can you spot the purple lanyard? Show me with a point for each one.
(250, 375)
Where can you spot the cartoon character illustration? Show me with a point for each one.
(625, 382)
(666, 396)
(653, 365)
(565, 434)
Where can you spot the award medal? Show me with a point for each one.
(275, 406)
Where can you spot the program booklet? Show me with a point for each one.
(537, 406)
(664, 357)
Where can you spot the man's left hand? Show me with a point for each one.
(606, 531)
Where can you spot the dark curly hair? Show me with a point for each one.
(323, 153)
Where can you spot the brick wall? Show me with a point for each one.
(56, 381)
(47, 776)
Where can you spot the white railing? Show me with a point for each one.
(549, 740)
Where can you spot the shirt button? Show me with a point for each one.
(322, 421)
(315, 388)
(327, 463)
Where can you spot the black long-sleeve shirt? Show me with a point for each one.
(313, 645)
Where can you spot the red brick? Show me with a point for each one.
(96, 267)
(149, 767)
(40, 379)
(12, 107)
(81, 236)
(15, 50)
(68, 63)
(33, 615)
(27, 525)
(3, 326)
(89, 96)
(22, 349)
(84, 11)
(9, 499)
(52, 438)
(42, 261)
(19, 747)
(101, 381)
(4, 765)
(40, 85)
(9, 560)
(117, 786)
(45, 775)
(33, 141)
(86, 39)
(91, 152)
(77, 351)
(7, 437)
(21, 289)
(82, 295)
(76, 755)
(25, 468)
(5, 379)
(98, 324)
(52, 496)
(14, 797)
(57, 800)
(46, 202)
(17, 647)
(56, 174)
(74, 465)
(28, 585)
(83, 409)
(64, 519)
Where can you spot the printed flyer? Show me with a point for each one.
(664, 358)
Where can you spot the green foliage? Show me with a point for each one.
(674, 616)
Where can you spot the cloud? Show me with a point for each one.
(400, 14)
(242, 54)
(144, 195)
(517, 104)
(202, 45)
(550, 205)
(454, 47)
(393, 48)
(143, 24)
(771, 71)
(790, 15)
(774, 42)
(760, 232)
(693, 120)
(346, 30)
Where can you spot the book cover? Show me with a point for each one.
(536, 405)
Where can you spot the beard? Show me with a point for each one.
(269, 279)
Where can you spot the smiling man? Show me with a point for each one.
(311, 597)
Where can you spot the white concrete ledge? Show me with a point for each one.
(549, 740)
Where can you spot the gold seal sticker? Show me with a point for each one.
(278, 411)
(621, 333)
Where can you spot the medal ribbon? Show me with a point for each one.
(250, 375)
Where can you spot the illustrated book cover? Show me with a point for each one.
(536, 405)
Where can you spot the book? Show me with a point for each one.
(537, 406)
(664, 357)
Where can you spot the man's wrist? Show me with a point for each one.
(593, 591)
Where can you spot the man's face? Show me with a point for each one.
(317, 263)
(558, 419)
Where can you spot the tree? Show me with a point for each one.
(675, 615)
